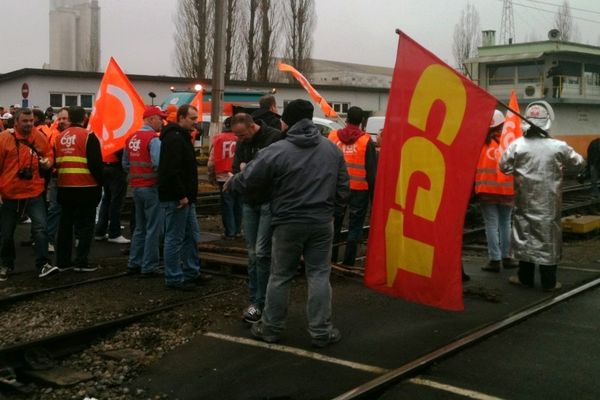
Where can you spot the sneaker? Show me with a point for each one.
(509, 263)
(258, 331)
(202, 279)
(333, 337)
(557, 286)
(86, 268)
(3, 274)
(492, 266)
(50, 248)
(47, 269)
(119, 240)
(26, 221)
(252, 314)
(98, 238)
(152, 274)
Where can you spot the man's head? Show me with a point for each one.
(76, 115)
(243, 126)
(153, 116)
(38, 117)
(2, 110)
(296, 111)
(268, 102)
(62, 119)
(354, 116)
(24, 121)
(497, 122)
(187, 115)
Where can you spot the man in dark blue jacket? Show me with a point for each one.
(307, 178)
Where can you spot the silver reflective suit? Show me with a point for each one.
(537, 165)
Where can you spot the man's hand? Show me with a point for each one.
(226, 184)
(242, 166)
(183, 202)
(45, 162)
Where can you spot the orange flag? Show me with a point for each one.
(512, 126)
(436, 124)
(118, 110)
(198, 101)
(317, 98)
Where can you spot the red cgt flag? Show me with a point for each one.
(436, 123)
(317, 98)
(512, 125)
(118, 110)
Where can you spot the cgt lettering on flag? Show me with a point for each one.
(422, 155)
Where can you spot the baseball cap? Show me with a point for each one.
(149, 111)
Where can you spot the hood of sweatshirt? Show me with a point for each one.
(304, 133)
(350, 134)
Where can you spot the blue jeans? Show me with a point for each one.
(10, 213)
(53, 214)
(149, 223)
(497, 218)
(181, 243)
(358, 203)
(291, 241)
(257, 229)
(115, 188)
(231, 212)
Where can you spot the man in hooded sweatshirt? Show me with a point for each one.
(360, 154)
(307, 178)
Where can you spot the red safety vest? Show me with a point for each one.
(141, 172)
(71, 159)
(223, 151)
(354, 154)
(489, 179)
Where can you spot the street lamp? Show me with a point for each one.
(197, 87)
(152, 96)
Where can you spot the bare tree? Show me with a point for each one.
(250, 37)
(268, 25)
(194, 38)
(299, 17)
(563, 21)
(467, 35)
(232, 39)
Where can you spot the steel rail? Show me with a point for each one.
(69, 342)
(413, 367)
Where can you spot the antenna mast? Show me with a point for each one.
(507, 25)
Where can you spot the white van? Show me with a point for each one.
(375, 126)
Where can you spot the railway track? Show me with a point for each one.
(376, 387)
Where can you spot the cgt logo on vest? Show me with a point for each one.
(228, 149)
(134, 144)
(68, 140)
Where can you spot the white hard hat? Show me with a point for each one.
(6, 116)
(540, 113)
(497, 119)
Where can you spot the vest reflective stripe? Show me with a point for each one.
(354, 155)
(71, 160)
(488, 178)
(141, 171)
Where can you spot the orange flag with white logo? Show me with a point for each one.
(436, 124)
(512, 125)
(118, 110)
(198, 101)
(317, 98)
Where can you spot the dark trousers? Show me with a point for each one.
(80, 216)
(10, 213)
(358, 203)
(115, 188)
(547, 274)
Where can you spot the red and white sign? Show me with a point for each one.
(25, 90)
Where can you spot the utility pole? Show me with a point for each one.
(218, 80)
(507, 24)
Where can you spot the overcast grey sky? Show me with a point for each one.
(139, 33)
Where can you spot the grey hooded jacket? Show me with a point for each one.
(306, 173)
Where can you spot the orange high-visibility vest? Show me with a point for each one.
(488, 178)
(71, 159)
(354, 154)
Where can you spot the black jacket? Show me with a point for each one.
(268, 117)
(177, 168)
(306, 173)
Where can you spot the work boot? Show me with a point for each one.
(492, 266)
